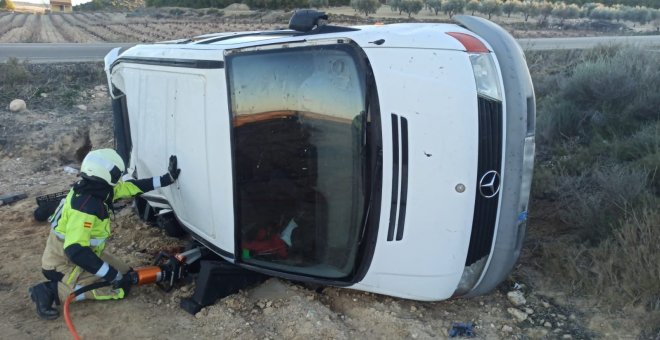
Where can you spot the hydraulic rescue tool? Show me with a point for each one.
(166, 271)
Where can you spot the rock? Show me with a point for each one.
(537, 333)
(17, 105)
(547, 324)
(507, 329)
(413, 308)
(517, 313)
(44, 95)
(545, 304)
(529, 310)
(572, 317)
(567, 336)
(516, 297)
(82, 107)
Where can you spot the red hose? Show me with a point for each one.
(67, 318)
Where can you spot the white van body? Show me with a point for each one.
(434, 166)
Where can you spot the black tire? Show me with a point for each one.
(170, 225)
(41, 214)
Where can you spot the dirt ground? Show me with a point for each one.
(36, 145)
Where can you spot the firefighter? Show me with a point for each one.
(74, 256)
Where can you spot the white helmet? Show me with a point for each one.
(103, 165)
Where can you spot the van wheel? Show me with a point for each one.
(170, 225)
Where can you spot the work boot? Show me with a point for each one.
(44, 297)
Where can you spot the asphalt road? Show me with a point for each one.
(70, 52)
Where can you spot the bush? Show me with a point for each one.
(318, 3)
(598, 165)
(607, 96)
(622, 270)
(13, 73)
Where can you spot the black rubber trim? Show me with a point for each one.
(395, 176)
(186, 63)
(403, 199)
(122, 129)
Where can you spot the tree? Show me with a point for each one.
(640, 15)
(586, 9)
(394, 5)
(545, 9)
(602, 13)
(510, 7)
(473, 6)
(490, 7)
(411, 6)
(8, 4)
(529, 8)
(365, 6)
(434, 5)
(563, 11)
(452, 7)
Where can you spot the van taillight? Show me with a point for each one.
(471, 44)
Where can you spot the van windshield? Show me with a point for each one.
(299, 157)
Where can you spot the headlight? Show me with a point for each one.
(486, 75)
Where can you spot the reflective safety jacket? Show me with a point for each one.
(82, 221)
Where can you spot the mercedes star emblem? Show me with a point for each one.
(489, 184)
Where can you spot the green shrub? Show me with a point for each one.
(598, 164)
(13, 73)
(622, 270)
(608, 95)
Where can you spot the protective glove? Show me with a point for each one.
(172, 172)
(124, 282)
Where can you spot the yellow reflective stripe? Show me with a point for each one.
(74, 274)
(93, 242)
(120, 295)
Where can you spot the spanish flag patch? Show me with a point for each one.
(87, 225)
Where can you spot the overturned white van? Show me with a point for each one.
(394, 159)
